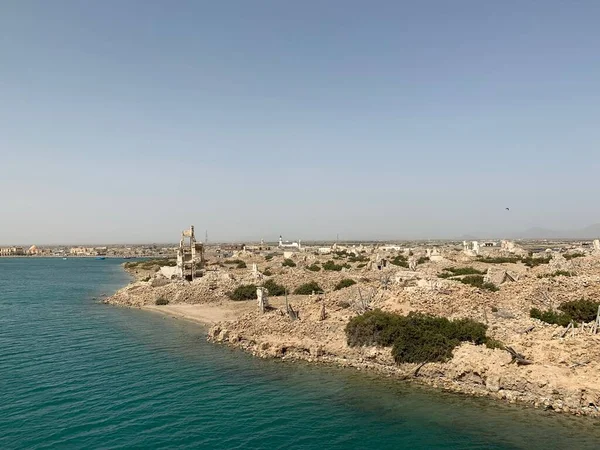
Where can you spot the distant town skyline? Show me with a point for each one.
(125, 122)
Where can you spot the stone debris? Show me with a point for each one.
(564, 373)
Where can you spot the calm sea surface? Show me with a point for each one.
(75, 373)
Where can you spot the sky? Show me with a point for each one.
(128, 121)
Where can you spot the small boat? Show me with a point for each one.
(64, 259)
(100, 257)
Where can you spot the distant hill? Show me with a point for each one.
(589, 232)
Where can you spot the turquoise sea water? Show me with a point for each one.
(75, 373)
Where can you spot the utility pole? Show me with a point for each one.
(206, 237)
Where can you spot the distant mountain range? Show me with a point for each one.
(589, 232)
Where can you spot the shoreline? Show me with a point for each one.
(381, 371)
(203, 315)
(550, 384)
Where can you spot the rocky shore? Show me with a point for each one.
(564, 373)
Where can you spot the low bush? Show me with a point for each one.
(269, 257)
(358, 258)
(580, 310)
(574, 311)
(267, 272)
(314, 268)
(415, 338)
(373, 328)
(288, 263)
(308, 288)
(239, 264)
(274, 289)
(330, 265)
(570, 256)
(400, 260)
(550, 316)
(244, 292)
(490, 287)
(493, 343)
(148, 264)
(161, 301)
(558, 273)
(477, 281)
(344, 304)
(415, 345)
(361, 265)
(346, 282)
(530, 261)
(422, 260)
(464, 271)
(499, 259)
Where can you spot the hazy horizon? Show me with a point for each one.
(125, 122)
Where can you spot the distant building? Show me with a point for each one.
(33, 250)
(287, 244)
(12, 251)
(82, 251)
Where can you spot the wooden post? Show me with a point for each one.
(287, 308)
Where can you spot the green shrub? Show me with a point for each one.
(534, 262)
(314, 268)
(490, 287)
(422, 260)
(308, 288)
(161, 301)
(550, 316)
(570, 256)
(344, 304)
(244, 292)
(274, 289)
(148, 264)
(573, 311)
(494, 343)
(373, 328)
(499, 259)
(267, 272)
(288, 263)
(269, 257)
(477, 281)
(361, 265)
(558, 273)
(330, 265)
(580, 310)
(465, 330)
(464, 271)
(346, 282)
(415, 338)
(415, 345)
(399, 260)
(358, 258)
(239, 264)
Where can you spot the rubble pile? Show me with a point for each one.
(564, 374)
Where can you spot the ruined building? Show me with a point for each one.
(190, 255)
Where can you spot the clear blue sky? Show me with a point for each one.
(126, 121)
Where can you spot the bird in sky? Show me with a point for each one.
(508, 209)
